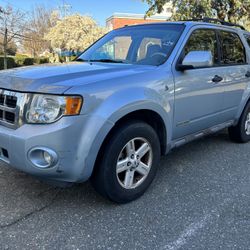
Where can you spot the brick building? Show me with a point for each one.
(118, 20)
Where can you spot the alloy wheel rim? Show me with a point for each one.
(134, 163)
(247, 124)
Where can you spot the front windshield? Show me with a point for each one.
(144, 45)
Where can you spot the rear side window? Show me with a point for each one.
(232, 49)
(203, 40)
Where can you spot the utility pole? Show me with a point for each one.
(2, 12)
(65, 9)
(5, 44)
(5, 40)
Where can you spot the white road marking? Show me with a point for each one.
(187, 233)
(193, 228)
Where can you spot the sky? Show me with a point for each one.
(100, 10)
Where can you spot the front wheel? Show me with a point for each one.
(241, 132)
(128, 164)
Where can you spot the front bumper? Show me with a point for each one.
(74, 139)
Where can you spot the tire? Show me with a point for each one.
(239, 133)
(116, 183)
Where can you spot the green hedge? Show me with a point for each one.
(10, 62)
(22, 60)
(63, 59)
(28, 61)
(41, 60)
(19, 59)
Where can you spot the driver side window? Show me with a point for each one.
(203, 40)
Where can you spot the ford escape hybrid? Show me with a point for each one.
(131, 97)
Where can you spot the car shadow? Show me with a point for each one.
(21, 195)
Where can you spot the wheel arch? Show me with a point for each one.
(149, 116)
(243, 105)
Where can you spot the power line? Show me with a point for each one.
(22, 36)
(24, 27)
(11, 4)
(17, 7)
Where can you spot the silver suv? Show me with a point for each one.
(131, 97)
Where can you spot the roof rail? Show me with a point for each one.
(213, 20)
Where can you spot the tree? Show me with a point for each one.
(12, 47)
(189, 9)
(11, 27)
(227, 10)
(41, 21)
(156, 6)
(74, 32)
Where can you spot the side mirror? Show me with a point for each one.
(196, 59)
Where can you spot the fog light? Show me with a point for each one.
(47, 157)
(43, 157)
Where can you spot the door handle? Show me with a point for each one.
(248, 74)
(217, 79)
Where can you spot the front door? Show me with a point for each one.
(198, 92)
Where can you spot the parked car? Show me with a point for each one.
(134, 95)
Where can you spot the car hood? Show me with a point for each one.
(58, 78)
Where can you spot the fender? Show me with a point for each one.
(125, 101)
(244, 101)
(120, 104)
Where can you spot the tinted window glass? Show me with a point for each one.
(248, 40)
(233, 51)
(146, 45)
(203, 40)
(116, 48)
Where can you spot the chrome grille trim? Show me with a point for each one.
(6, 108)
(17, 111)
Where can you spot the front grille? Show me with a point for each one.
(1, 99)
(10, 103)
(10, 117)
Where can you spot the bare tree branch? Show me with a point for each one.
(12, 23)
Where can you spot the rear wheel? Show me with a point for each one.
(128, 164)
(241, 132)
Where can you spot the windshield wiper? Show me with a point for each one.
(106, 61)
(99, 60)
(80, 60)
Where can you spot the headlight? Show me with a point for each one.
(50, 108)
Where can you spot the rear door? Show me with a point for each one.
(235, 70)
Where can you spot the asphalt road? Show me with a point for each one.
(199, 200)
